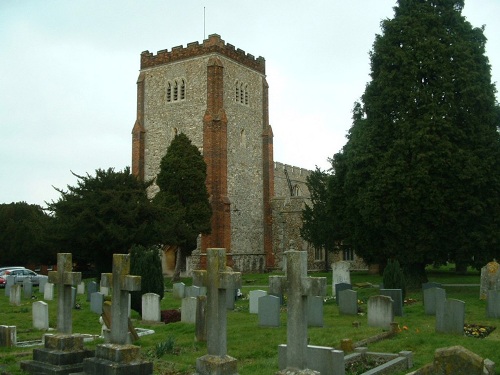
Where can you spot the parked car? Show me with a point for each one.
(3, 271)
(22, 274)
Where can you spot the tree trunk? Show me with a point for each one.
(180, 262)
(415, 275)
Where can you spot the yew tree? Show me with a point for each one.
(418, 180)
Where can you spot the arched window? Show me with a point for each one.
(169, 92)
(246, 94)
(237, 92)
(242, 94)
(183, 89)
(176, 91)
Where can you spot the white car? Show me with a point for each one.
(22, 274)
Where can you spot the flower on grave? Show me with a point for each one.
(405, 328)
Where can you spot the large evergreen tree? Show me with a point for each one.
(420, 173)
(183, 194)
(106, 214)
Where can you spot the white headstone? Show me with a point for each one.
(80, 288)
(254, 296)
(188, 310)
(15, 294)
(340, 274)
(40, 315)
(380, 312)
(104, 290)
(151, 307)
(48, 292)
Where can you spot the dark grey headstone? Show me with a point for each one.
(493, 304)
(91, 288)
(450, 317)
(432, 298)
(315, 311)
(73, 297)
(397, 298)
(230, 298)
(340, 287)
(269, 311)
(348, 302)
(96, 302)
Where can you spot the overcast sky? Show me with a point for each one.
(69, 71)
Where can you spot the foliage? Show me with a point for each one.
(393, 277)
(183, 194)
(23, 235)
(146, 263)
(105, 214)
(419, 177)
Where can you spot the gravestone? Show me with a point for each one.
(493, 304)
(192, 291)
(104, 289)
(178, 290)
(15, 294)
(490, 278)
(91, 288)
(230, 299)
(9, 281)
(348, 302)
(254, 296)
(201, 319)
(433, 297)
(27, 288)
(450, 317)
(8, 336)
(73, 297)
(117, 357)
(188, 309)
(269, 311)
(340, 287)
(397, 299)
(40, 311)
(380, 312)
(297, 286)
(80, 288)
(41, 284)
(431, 284)
(48, 292)
(218, 281)
(96, 302)
(340, 274)
(64, 279)
(322, 359)
(151, 307)
(315, 311)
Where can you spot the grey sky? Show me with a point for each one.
(69, 71)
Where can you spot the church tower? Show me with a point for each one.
(218, 96)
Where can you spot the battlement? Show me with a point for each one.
(292, 170)
(214, 44)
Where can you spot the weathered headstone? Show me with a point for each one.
(91, 288)
(340, 287)
(192, 291)
(40, 311)
(254, 296)
(493, 304)
(490, 278)
(48, 292)
(315, 311)
(9, 281)
(117, 357)
(218, 281)
(380, 312)
(433, 297)
(104, 289)
(340, 274)
(151, 307)
(80, 288)
(178, 290)
(188, 309)
(41, 284)
(298, 286)
(269, 311)
(96, 302)
(65, 279)
(323, 359)
(15, 294)
(27, 288)
(8, 336)
(450, 317)
(201, 319)
(348, 302)
(397, 299)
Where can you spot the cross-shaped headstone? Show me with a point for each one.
(218, 281)
(65, 280)
(298, 286)
(122, 284)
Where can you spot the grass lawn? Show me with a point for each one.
(256, 347)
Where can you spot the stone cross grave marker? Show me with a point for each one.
(65, 280)
(122, 284)
(298, 286)
(490, 279)
(218, 282)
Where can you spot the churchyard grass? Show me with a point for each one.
(254, 347)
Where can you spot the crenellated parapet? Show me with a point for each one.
(214, 44)
(297, 172)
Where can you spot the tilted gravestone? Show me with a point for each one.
(433, 297)
(490, 279)
(380, 312)
(493, 304)
(269, 311)
(254, 296)
(450, 317)
(116, 356)
(340, 274)
(397, 299)
(348, 302)
(298, 286)
(218, 281)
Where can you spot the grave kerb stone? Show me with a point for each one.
(323, 359)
